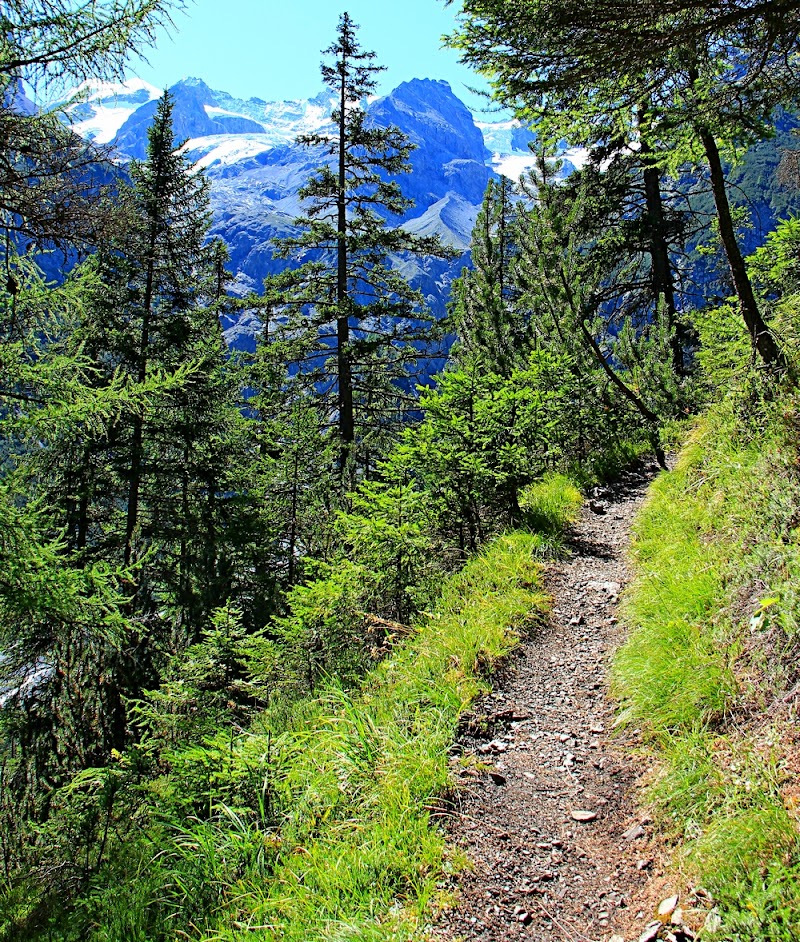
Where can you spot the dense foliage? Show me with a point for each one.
(710, 670)
(245, 598)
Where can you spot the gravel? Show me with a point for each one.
(545, 811)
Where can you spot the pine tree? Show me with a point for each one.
(488, 320)
(289, 489)
(647, 73)
(563, 287)
(634, 236)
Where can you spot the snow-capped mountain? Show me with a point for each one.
(114, 111)
(249, 152)
(255, 198)
(101, 111)
(97, 110)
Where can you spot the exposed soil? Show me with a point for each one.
(541, 752)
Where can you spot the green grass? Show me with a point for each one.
(712, 650)
(339, 838)
(676, 668)
(350, 850)
(322, 821)
(548, 507)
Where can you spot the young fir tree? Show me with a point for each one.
(358, 316)
(289, 487)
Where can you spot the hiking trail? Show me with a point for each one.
(545, 812)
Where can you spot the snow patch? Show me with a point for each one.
(577, 156)
(226, 149)
(512, 166)
(104, 124)
(109, 105)
(92, 90)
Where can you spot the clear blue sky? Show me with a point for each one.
(271, 48)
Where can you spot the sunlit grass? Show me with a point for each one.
(357, 854)
(712, 614)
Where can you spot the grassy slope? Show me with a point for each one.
(710, 669)
(356, 854)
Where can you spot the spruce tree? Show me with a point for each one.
(357, 314)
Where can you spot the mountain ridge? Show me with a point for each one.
(249, 152)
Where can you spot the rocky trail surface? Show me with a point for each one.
(545, 813)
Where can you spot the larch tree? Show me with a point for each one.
(49, 179)
(153, 317)
(64, 629)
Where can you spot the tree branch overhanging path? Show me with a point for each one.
(679, 80)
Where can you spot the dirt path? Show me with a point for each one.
(539, 753)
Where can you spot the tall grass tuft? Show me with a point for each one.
(353, 850)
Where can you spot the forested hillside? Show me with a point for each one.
(247, 597)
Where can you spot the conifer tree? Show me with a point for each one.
(289, 490)
(634, 236)
(156, 315)
(488, 320)
(350, 304)
(65, 631)
(125, 393)
(562, 282)
(48, 180)
(648, 72)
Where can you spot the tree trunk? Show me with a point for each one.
(763, 339)
(663, 283)
(137, 452)
(345, 397)
(293, 517)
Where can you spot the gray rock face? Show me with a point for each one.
(450, 154)
(248, 151)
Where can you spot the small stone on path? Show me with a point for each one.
(584, 816)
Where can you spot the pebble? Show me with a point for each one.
(634, 833)
(651, 932)
(583, 815)
(666, 908)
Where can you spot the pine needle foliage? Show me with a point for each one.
(358, 321)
